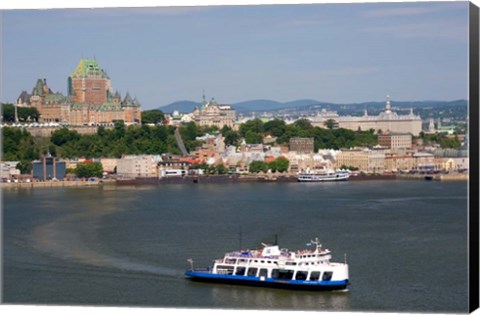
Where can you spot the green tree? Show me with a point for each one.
(329, 123)
(154, 116)
(253, 126)
(352, 168)
(303, 124)
(119, 130)
(275, 127)
(24, 113)
(253, 138)
(86, 170)
(258, 166)
(8, 112)
(231, 137)
(221, 169)
(282, 164)
(63, 135)
(272, 166)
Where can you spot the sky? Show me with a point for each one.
(340, 53)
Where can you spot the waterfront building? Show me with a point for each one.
(303, 161)
(8, 169)
(90, 99)
(213, 114)
(48, 168)
(399, 160)
(109, 165)
(366, 160)
(302, 145)
(393, 140)
(424, 161)
(357, 158)
(452, 163)
(133, 166)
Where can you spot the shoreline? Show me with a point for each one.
(212, 179)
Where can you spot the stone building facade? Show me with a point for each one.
(387, 120)
(302, 145)
(395, 140)
(213, 114)
(133, 166)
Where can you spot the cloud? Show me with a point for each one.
(424, 9)
(408, 11)
(342, 72)
(448, 30)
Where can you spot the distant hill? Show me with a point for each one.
(181, 106)
(263, 105)
(258, 105)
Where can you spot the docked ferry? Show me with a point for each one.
(271, 266)
(323, 175)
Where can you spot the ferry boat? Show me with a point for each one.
(274, 267)
(323, 175)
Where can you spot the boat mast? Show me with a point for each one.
(240, 238)
(317, 244)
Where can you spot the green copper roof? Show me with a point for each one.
(56, 98)
(108, 106)
(88, 67)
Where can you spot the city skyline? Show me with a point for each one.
(339, 53)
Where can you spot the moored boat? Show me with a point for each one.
(274, 267)
(323, 175)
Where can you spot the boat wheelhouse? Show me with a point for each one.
(271, 266)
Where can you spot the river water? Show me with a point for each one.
(406, 243)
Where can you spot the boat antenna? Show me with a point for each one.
(190, 260)
(276, 240)
(240, 237)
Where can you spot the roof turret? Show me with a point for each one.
(128, 101)
(136, 103)
(24, 97)
(41, 88)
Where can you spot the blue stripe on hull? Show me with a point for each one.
(268, 282)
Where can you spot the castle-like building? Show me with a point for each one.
(90, 99)
(387, 120)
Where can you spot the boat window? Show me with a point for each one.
(240, 271)
(275, 273)
(242, 260)
(285, 274)
(230, 261)
(291, 263)
(314, 275)
(301, 275)
(252, 272)
(327, 276)
(256, 261)
(225, 270)
(263, 272)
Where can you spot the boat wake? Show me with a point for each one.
(74, 238)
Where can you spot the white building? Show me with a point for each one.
(385, 121)
(132, 166)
